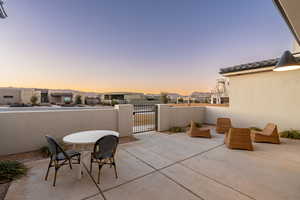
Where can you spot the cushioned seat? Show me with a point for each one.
(98, 155)
(71, 153)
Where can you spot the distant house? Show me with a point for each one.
(10, 95)
(185, 99)
(153, 97)
(122, 97)
(201, 97)
(69, 96)
(91, 98)
(173, 97)
(60, 97)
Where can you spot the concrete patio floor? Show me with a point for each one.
(161, 166)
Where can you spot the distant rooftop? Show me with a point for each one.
(249, 66)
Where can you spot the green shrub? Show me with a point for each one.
(45, 151)
(78, 99)
(293, 134)
(10, 170)
(199, 125)
(253, 128)
(176, 130)
(114, 102)
(33, 100)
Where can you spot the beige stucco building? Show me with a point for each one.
(10, 95)
(259, 95)
(122, 97)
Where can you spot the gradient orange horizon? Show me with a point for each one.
(107, 90)
(41, 69)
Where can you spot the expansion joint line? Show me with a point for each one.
(98, 187)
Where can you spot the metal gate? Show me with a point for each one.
(144, 117)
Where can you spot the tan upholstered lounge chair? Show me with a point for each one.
(268, 135)
(239, 138)
(223, 125)
(198, 132)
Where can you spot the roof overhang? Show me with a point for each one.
(289, 10)
(250, 71)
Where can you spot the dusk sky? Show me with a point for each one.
(134, 45)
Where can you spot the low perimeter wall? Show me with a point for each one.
(214, 112)
(169, 116)
(25, 131)
(247, 119)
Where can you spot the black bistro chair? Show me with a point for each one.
(59, 157)
(104, 153)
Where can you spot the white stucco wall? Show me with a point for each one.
(125, 119)
(25, 131)
(214, 112)
(256, 99)
(169, 116)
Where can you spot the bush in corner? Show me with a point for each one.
(10, 170)
(176, 130)
(198, 125)
(293, 134)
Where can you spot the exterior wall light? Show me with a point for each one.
(287, 62)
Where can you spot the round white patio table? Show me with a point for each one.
(84, 138)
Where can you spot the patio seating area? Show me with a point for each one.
(162, 166)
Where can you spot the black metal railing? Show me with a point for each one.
(144, 118)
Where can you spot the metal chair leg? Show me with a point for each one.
(54, 181)
(47, 173)
(116, 174)
(100, 167)
(70, 164)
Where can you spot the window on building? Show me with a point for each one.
(8, 97)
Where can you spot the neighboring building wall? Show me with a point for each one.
(91, 100)
(130, 97)
(26, 95)
(55, 100)
(169, 116)
(9, 96)
(256, 99)
(125, 98)
(25, 131)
